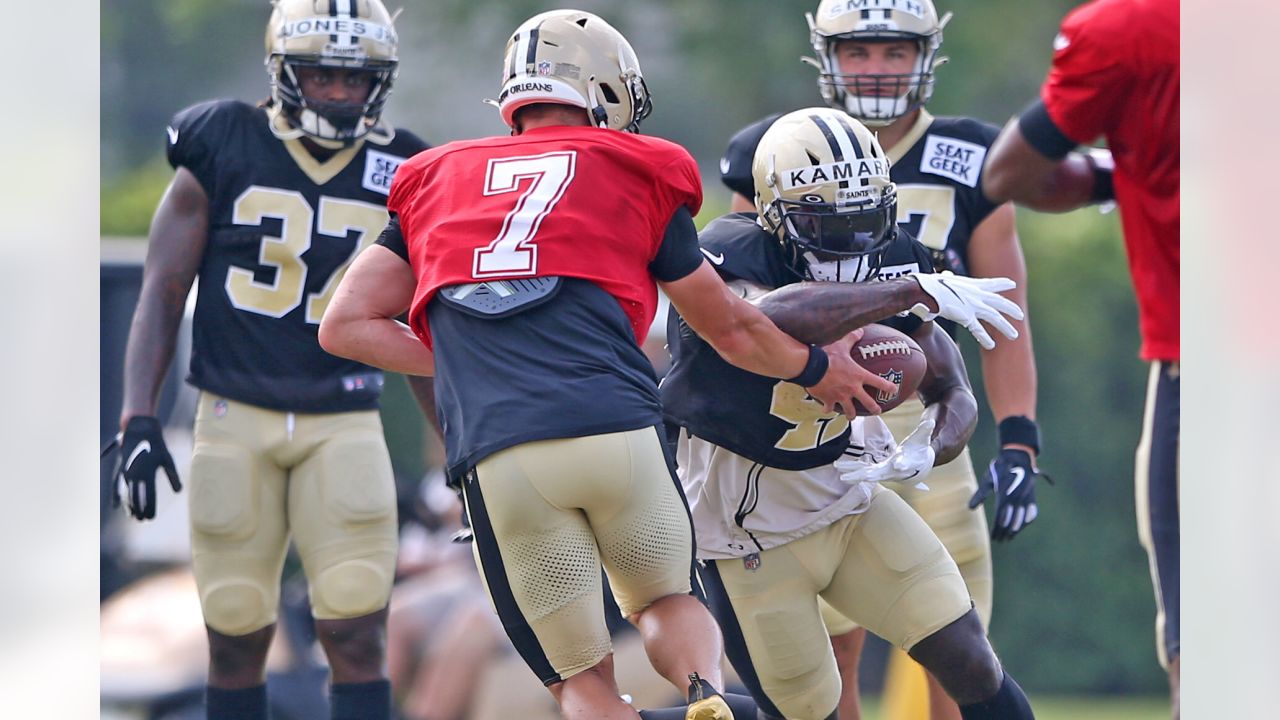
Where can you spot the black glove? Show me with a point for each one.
(1012, 475)
(142, 452)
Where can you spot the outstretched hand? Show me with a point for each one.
(970, 302)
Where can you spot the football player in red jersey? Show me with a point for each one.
(1116, 74)
(268, 206)
(528, 265)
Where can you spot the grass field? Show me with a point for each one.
(1075, 708)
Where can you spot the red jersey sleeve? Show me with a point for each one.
(1088, 81)
(684, 183)
(404, 187)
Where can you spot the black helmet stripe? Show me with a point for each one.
(843, 143)
(853, 140)
(532, 58)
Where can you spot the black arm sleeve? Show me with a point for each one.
(392, 239)
(1042, 134)
(679, 254)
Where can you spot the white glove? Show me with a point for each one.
(910, 462)
(969, 301)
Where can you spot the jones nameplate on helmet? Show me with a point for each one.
(379, 169)
(951, 158)
(337, 26)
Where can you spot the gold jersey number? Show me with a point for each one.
(336, 217)
(813, 425)
(936, 207)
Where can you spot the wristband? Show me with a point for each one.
(1020, 430)
(1103, 186)
(814, 369)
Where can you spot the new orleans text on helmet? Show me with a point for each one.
(525, 87)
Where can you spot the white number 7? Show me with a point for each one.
(513, 251)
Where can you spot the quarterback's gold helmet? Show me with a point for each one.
(571, 57)
(823, 188)
(876, 100)
(345, 34)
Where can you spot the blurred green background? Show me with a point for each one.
(1073, 605)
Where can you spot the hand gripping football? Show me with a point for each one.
(893, 356)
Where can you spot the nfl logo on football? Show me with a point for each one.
(895, 377)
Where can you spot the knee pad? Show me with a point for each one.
(350, 589)
(237, 607)
(818, 703)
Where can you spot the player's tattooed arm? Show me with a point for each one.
(177, 239)
(823, 312)
(946, 393)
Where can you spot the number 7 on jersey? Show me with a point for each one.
(513, 252)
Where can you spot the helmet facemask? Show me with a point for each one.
(876, 100)
(342, 123)
(837, 244)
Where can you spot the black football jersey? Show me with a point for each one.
(936, 167)
(283, 228)
(766, 420)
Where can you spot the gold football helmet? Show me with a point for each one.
(346, 34)
(876, 100)
(823, 188)
(571, 57)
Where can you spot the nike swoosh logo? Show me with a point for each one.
(724, 166)
(1060, 42)
(173, 135)
(1018, 476)
(715, 258)
(142, 447)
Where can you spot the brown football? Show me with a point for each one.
(894, 356)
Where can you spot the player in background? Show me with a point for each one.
(1116, 74)
(783, 492)
(528, 266)
(268, 207)
(876, 61)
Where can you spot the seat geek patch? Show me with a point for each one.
(951, 158)
(379, 169)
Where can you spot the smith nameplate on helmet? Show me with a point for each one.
(500, 298)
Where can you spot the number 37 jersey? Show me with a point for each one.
(283, 228)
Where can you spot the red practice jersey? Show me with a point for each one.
(580, 202)
(1116, 74)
